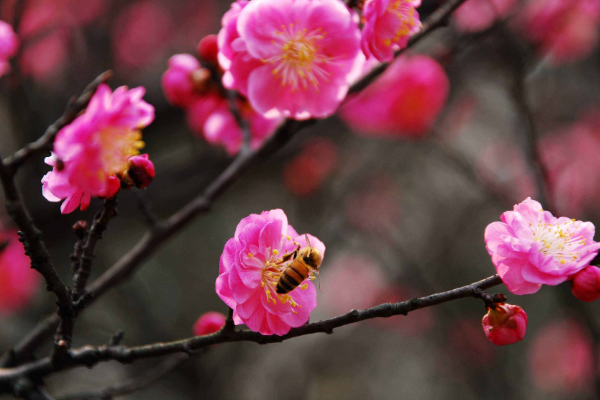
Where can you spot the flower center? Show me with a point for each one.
(300, 63)
(272, 271)
(558, 240)
(405, 13)
(118, 146)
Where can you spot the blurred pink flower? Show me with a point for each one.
(566, 30)
(573, 180)
(97, 146)
(141, 31)
(585, 285)
(9, 44)
(248, 275)
(353, 281)
(404, 102)
(18, 281)
(478, 15)
(305, 173)
(209, 322)
(47, 27)
(388, 24)
(211, 117)
(294, 58)
(376, 207)
(178, 80)
(561, 358)
(530, 247)
(505, 324)
(502, 167)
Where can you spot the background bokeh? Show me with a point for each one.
(400, 217)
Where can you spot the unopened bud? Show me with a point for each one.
(208, 48)
(585, 285)
(505, 324)
(208, 323)
(80, 228)
(140, 172)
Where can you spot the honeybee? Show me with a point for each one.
(303, 261)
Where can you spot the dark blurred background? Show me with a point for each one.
(400, 218)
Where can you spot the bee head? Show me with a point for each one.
(311, 257)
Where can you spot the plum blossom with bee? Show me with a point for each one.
(250, 268)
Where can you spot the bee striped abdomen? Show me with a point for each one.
(293, 276)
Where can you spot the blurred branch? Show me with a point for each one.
(90, 355)
(44, 143)
(163, 230)
(133, 384)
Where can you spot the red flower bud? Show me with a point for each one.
(208, 49)
(585, 285)
(208, 323)
(141, 171)
(505, 324)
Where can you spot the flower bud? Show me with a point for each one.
(585, 285)
(140, 173)
(208, 49)
(208, 323)
(505, 324)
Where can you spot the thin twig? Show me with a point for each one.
(44, 143)
(133, 384)
(152, 240)
(98, 227)
(90, 355)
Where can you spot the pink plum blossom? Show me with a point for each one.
(178, 80)
(9, 43)
(294, 58)
(208, 323)
(250, 268)
(478, 15)
(565, 30)
(585, 285)
(211, 117)
(90, 152)
(404, 102)
(561, 358)
(18, 281)
(573, 181)
(505, 324)
(531, 247)
(388, 24)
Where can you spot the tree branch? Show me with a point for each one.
(160, 233)
(90, 355)
(45, 142)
